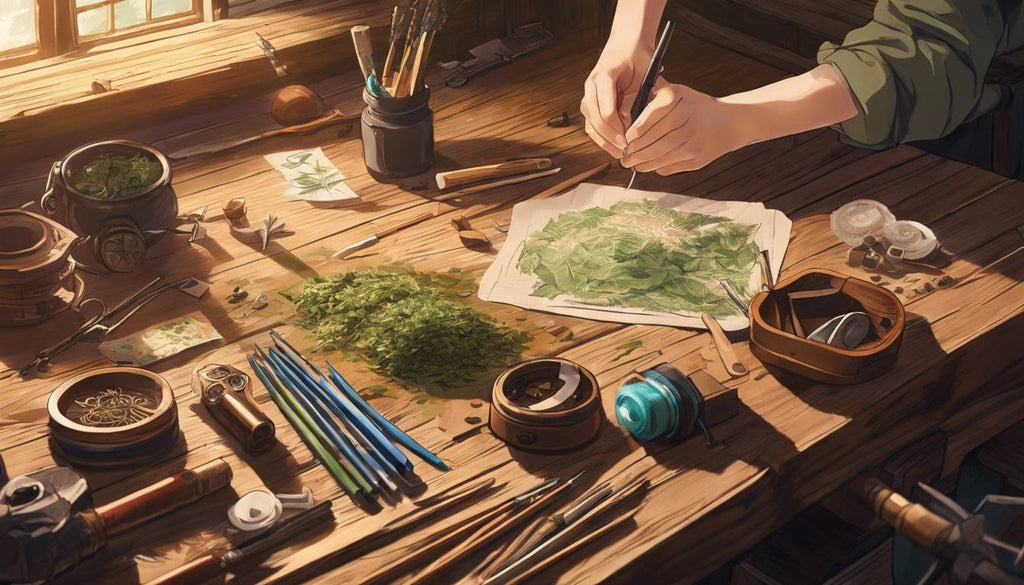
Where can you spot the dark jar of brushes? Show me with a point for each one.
(398, 134)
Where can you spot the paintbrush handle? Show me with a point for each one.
(499, 183)
(468, 175)
(364, 49)
(399, 227)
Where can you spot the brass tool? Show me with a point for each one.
(724, 347)
(226, 392)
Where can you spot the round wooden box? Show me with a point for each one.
(113, 416)
(571, 424)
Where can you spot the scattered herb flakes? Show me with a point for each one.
(455, 270)
(641, 255)
(115, 176)
(378, 389)
(628, 348)
(403, 326)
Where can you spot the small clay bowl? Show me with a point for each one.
(113, 416)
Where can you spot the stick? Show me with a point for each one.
(364, 50)
(549, 192)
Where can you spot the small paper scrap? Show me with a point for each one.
(164, 340)
(310, 176)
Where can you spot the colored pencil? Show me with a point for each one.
(385, 425)
(307, 435)
(300, 401)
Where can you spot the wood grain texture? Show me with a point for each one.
(792, 442)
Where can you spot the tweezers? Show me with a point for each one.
(96, 328)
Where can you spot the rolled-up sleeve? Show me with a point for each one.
(917, 70)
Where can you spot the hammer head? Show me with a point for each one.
(46, 525)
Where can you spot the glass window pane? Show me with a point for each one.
(169, 7)
(93, 21)
(129, 13)
(17, 24)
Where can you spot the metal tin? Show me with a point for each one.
(398, 135)
(113, 416)
(123, 228)
(226, 393)
(571, 425)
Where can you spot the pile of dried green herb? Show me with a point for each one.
(116, 176)
(641, 255)
(404, 327)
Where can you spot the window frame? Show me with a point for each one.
(57, 29)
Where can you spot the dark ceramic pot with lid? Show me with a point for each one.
(398, 135)
(120, 228)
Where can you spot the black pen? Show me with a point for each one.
(640, 102)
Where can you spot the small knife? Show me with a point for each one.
(348, 250)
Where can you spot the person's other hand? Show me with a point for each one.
(609, 91)
(681, 129)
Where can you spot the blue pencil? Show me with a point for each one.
(364, 476)
(348, 412)
(386, 425)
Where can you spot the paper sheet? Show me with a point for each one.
(162, 341)
(310, 175)
(504, 282)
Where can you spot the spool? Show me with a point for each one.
(660, 403)
(859, 218)
(547, 404)
(37, 273)
(113, 417)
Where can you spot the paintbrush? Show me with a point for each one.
(308, 436)
(352, 248)
(435, 544)
(490, 532)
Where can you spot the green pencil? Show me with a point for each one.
(308, 436)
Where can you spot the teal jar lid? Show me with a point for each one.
(648, 408)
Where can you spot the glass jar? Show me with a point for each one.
(398, 135)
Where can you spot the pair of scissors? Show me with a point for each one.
(97, 327)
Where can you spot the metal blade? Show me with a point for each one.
(931, 576)
(631, 179)
(348, 250)
(943, 505)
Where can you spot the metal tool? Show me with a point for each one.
(226, 392)
(48, 522)
(96, 328)
(352, 248)
(640, 102)
(735, 297)
(949, 533)
(210, 566)
(271, 54)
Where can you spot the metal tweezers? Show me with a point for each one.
(96, 328)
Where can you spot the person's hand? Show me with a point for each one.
(609, 91)
(681, 129)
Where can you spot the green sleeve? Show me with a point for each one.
(917, 70)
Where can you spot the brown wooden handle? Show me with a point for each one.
(724, 346)
(164, 496)
(473, 174)
(332, 117)
(919, 524)
(364, 49)
(198, 571)
(390, 230)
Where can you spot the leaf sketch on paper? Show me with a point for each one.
(310, 175)
(640, 255)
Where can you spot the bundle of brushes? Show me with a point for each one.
(353, 441)
(413, 26)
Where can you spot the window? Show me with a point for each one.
(31, 29)
(105, 17)
(17, 27)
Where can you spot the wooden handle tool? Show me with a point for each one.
(724, 347)
(460, 177)
(364, 50)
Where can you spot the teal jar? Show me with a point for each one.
(659, 404)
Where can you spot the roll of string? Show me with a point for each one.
(661, 403)
(859, 218)
(915, 239)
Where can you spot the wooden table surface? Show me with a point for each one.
(790, 445)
